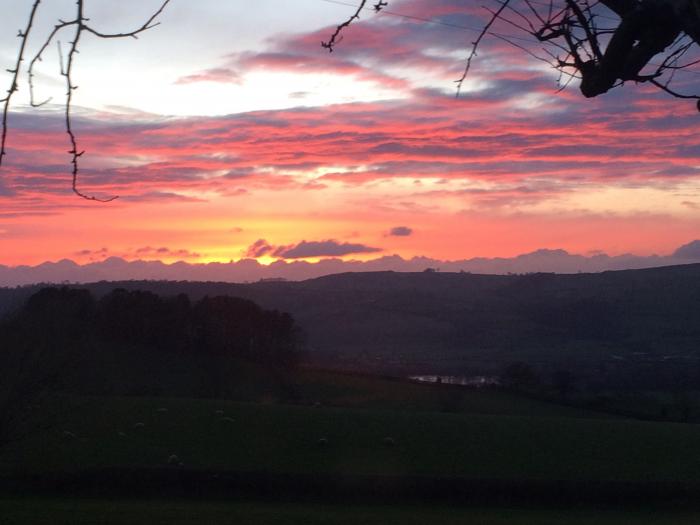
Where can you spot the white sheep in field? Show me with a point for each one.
(121, 434)
(68, 434)
(227, 420)
(173, 460)
(139, 425)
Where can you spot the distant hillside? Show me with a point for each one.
(250, 270)
(642, 320)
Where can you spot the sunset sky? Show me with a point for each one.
(228, 132)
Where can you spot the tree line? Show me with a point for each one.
(215, 326)
(66, 339)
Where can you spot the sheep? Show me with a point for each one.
(389, 441)
(174, 460)
(139, 425)
(227, 420)
(68, 435)
(121, 434)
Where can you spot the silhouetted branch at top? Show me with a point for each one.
(603, 43)
(80, 25)
(23, 35)
(475, 44)
(335, 37)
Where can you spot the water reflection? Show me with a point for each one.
(473, 381)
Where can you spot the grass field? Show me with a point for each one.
(366, 391)
(230, 436)
(110, 512)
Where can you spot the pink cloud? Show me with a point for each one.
(516, 140)
(217, 74)
(429, 136)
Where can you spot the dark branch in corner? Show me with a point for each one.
(603, 57)
(581, 40)
(80, 23)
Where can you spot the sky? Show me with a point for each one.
(227, 132)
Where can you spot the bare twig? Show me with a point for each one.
(602, 57)
(335, 37)
(670, 91)
(39, 56)
(148, 24)
(475, 45)
(80, 26)
(24, 37)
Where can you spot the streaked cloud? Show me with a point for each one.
(327, 248)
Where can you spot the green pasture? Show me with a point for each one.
(98, 432)
(372, 392)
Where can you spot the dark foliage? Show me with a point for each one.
(29, 364)
(230, 325)
(144, 318)
(136, 342)
(214, 326)
(519, 376)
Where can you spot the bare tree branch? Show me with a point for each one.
(336, 36)
(475, 45)
(24, 36)
(602, 55)
(148, 24)
(80, 25)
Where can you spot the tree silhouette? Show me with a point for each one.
(39, 348)
(48, 345)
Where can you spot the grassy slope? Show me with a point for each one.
(277, 438)
(371, 392)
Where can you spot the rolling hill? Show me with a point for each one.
(460, 323)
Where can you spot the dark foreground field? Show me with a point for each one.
(355, 449)
(227, 436)
(163, 512)
(535, 449)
